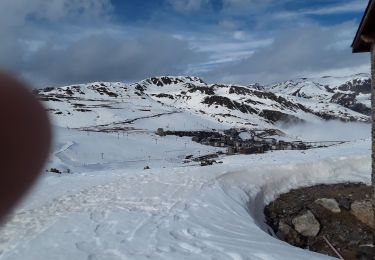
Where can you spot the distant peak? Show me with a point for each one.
(168, 80)
(256, 86)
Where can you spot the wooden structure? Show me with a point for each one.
(365, 37)
(365, 42)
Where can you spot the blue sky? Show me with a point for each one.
(238, 41)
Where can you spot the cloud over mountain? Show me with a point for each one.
(243, 41)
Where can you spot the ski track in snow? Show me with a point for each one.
(126, 194)
(171, 214)
(168, 212)
(109, 208)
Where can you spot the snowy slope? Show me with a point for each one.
(105, 205)
(303, 88)
(118, 211)
(330, 94)
(116, 105)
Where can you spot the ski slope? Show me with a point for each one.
(113, 209)
(106, 205)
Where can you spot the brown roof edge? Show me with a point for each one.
(358, 44)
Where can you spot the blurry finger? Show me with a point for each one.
(25, 137)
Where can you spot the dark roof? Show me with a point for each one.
(367, 26)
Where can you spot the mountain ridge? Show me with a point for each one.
(254, 105)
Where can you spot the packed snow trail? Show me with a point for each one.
(118, 220)
(174, 213)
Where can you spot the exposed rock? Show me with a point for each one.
(362, 210)
(202, 90)
(306, 224)
(228, 103)
(344, 203)
(288, 234)
(162, 95)
(347, 233)
(349, 100)
(277, 116)
(54, 170)
(140, 88)
(358, 86)
(207, 162)
(163, 81)
(239, 90)
(330, 204)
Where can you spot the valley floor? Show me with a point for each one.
(117, 210)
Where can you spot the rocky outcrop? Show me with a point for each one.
(344, 203)
(319, 204)
(165, 80)
(349, 100)
(203, 90)
(288, 234)
(306, 224)
(362, 210)
(162, 95)
(228, 103)
(357, 86)
(103, 90)
(277, 116)
(330, 204)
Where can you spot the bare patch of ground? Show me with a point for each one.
(308, 217)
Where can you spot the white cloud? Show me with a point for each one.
(341, 8)
(347, 7)
(250, 7)
(109, 57)
(27, 26)
(18, 12)
(239, 35)
(228, 47)
(67, 41)
(297, 52)
(229, 24)
(29, 22)
(187, 5)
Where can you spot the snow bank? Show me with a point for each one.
(117, 212)
(264, 184)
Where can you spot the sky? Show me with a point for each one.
(60, 42)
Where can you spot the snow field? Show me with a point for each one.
(169, 213)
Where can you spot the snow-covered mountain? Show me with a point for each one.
(350, 92)
(109, 106)
(106, 204)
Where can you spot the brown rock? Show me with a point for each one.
(362, 210)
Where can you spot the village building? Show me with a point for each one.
(231, 150)
(271, 141)
(235, 143)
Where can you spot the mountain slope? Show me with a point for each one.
(118, 106)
